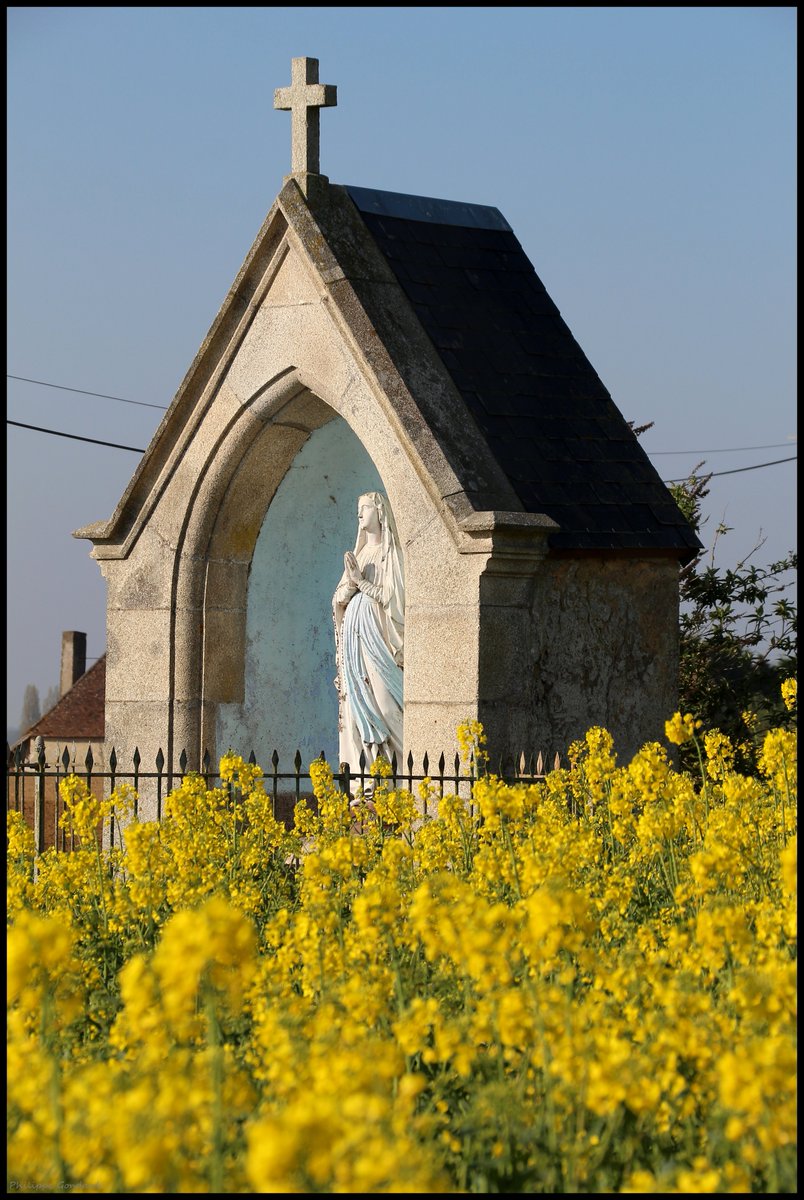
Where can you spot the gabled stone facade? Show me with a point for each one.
(538, 613)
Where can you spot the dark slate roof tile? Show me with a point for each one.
(420, 293)
(453, 339)
(546, 414)
(494, 426)
(550, 493)
(665, 513)
(610, 493)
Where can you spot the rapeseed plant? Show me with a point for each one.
(583, 984)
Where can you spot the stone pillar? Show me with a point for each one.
(516, 545)
(466, 618)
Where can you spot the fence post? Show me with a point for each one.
(274, 780)
(19, 795)
(113, 769)
(160, 766)
(39, 796)
(297, 762)
(60, 835)
(136, 760)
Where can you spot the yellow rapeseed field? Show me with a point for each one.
(584, 984)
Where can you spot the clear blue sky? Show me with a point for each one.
(645, 158)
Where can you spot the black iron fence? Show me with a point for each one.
(32, 783)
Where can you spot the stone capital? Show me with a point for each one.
(515, 541)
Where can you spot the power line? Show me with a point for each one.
(721, 450)
(82, 392)
(137, 450)
(76, 437)
(737, 470)
(163, 408)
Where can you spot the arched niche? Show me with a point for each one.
(289, 700)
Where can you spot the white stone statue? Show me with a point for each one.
(369, 613)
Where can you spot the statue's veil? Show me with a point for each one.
(392, 576)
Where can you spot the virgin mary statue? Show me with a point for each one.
(369, 612)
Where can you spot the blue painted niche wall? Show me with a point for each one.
(290, 698)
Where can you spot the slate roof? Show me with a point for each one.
(80, 714)
(547, 417)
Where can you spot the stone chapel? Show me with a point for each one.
(381, 341)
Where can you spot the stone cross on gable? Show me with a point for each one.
(305, 97)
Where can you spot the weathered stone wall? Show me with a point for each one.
(598, 646)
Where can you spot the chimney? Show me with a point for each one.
(73, 659)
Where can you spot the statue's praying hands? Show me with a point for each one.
(353, 572)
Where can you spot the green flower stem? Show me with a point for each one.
(216, 1172)
(704, 780)
(102, 888)
(512, 853)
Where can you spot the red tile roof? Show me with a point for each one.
(80, 714)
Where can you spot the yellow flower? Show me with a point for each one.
(82, 811)
(20, 863)
(750, 720)
(679, 730)
(471, 740)
(777, 759)
(380, 768)
(719, 754)
(701, 1180)
(789, 860)
(789, 694)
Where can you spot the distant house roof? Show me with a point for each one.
(79, 714)
(546, 416)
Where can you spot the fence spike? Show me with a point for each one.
(206, 762)
(410, 762)
(457, 763)
(361, 762)
(183, 762)
(557, 762)
(89, 761)
(160, 760)
(442, 762)
(135, 758)
(426, 763)
(275, 760)
(393, 764)
(113, 760)
(65, 758)
(252, 758)
(297, 762)
(322, 756)
(523, 763)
